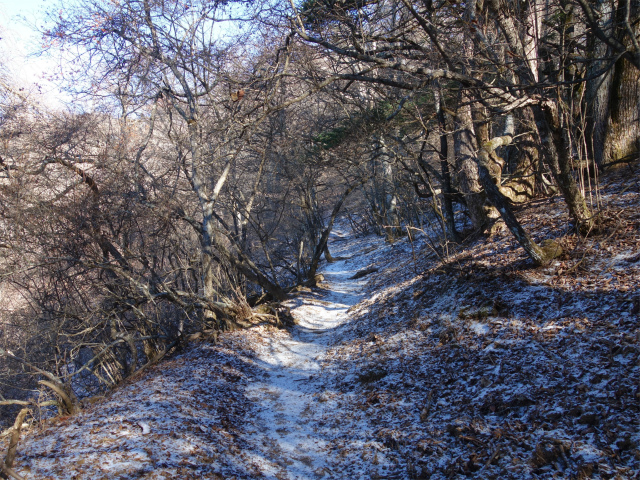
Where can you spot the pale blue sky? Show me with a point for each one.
(16, 6)
(13, 12)
(20, 40)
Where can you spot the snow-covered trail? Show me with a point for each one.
(412, 382)
(290, 395)
(258, 404)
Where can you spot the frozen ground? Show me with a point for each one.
(289, 435)
(253, 406)
(478, 366)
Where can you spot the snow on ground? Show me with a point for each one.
(253, 406)
(176, 422)
(478, 366)
(292, 402)
(485, 367)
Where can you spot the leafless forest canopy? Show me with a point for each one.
(226, 138)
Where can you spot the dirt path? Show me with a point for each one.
(291, 395)
(439, 374)
(256, 405)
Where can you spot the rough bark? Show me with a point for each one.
(623, 135)
(598, 89)
(539, 255)
(467, 169)
(447, 189)
(613, 97)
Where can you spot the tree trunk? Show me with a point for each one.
(539, 255)
(327, 254)
(447, 190)
(531, 38)
(465, 147)
(239, 262)
(558, 156)
(613, 98)
(70, 404)
(209, 289)
(388, 194)
(324, 238)
(493, 163)
(598, 89)
(624, 130)
(7, 466)
(521, 186)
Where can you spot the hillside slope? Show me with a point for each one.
(477, 365)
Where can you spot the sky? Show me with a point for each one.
(19, 42)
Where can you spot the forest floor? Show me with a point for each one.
(474, 365)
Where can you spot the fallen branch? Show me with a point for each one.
(12, 473)
(48, 403)
(7, 466)
(69, 401)
(364, 273)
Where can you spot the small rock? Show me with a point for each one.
(372, 375)
(589, 419)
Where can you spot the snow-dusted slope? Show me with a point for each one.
(249, 407)
(476, 367)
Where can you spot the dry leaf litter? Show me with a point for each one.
(472, 366)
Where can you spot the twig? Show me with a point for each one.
(429, 243)
(47, 403)
(413, 252)
(12, 473)
(491, 458)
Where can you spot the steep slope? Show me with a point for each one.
(479, 365)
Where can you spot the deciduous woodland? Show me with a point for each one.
(214, 146)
